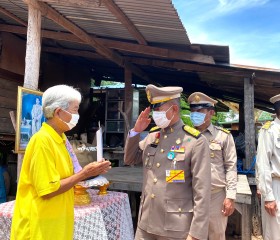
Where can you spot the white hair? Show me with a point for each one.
(59, 96)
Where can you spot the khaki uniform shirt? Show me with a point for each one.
(172, 210)
(268, 159)
(223, 160)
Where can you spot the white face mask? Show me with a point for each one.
(73, 121)
(160, 118)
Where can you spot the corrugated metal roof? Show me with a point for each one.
(156, 20)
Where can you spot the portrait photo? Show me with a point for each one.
(29, 116)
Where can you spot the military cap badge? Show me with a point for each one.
(197, 98)
(149, 95)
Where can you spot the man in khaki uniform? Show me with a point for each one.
(268, 174)
(176, 185)
(223, 163)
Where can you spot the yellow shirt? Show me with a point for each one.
(45, 163)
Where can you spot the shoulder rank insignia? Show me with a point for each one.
(223, 129)
(154, 129)
(267, 125)
(192, 131)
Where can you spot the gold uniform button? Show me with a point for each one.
(212, 155)
(153, 196)
(165, 136)
(158, 164)
(155, 180)
(180, 209)
(162, 150)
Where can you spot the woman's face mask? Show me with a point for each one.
(197, 118)
(73, 121)
(160, 118)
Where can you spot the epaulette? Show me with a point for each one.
(223, 129)
(192, 131)
(267, 125)
(154, 129)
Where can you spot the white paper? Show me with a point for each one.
(99, 144)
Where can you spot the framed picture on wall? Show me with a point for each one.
(29, 116)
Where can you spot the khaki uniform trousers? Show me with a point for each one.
(143, 235)
(218, 222)
(271, 224)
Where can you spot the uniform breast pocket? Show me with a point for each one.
(215, 152)
(149, 156)
(178, 215)
(180, 161)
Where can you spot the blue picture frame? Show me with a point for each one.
(29, 116)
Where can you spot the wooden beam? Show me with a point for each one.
(187, 67)
(113, 8)
(190, 67)
(11, 76)
(84, 36)
(123, 46)
(71, 52)
(10, 15)
(82, 3)
(157, 51)
(120, 15)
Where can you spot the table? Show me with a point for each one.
(131, 178)
(108, 217)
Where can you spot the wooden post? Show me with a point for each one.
(128, 92)
(250, 136)
(32, 57)
(241, 117)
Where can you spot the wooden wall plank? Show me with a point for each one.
(6, 125)
(11, 94)
(9, 84)
(7, 103)
(4, 112)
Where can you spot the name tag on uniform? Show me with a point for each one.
(175, 176)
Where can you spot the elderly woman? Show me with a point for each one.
(44, 207)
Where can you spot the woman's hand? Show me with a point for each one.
(96, 168)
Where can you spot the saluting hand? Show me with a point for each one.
(143, 121)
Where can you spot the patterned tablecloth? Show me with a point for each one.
(108, 217)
